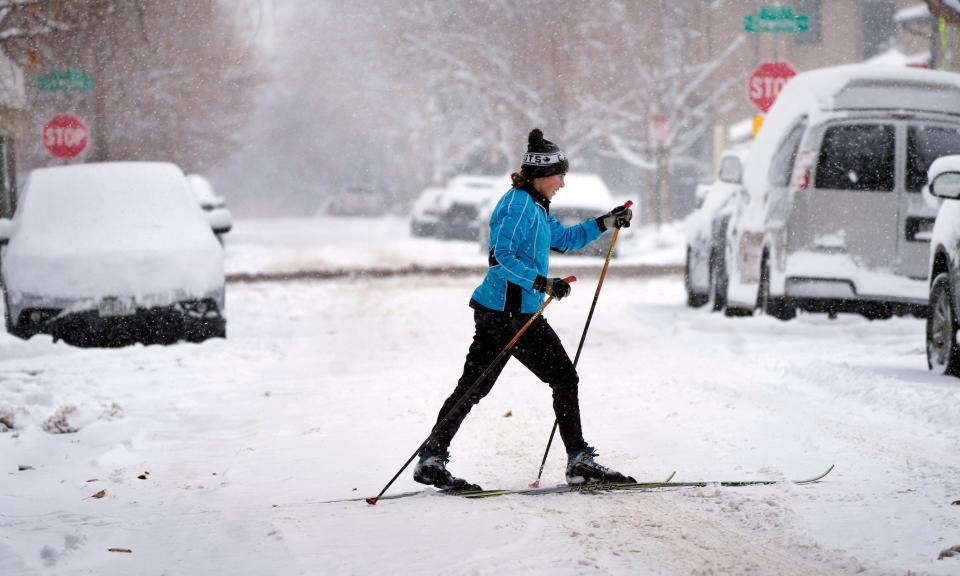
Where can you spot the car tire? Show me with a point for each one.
(778, 307)
(718, 280)
(8, 321)
(694, 299)
(943, 354)
(206, 330)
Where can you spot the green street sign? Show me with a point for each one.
(776, 19)
(65, 80)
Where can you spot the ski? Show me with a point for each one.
(639, 486)
(562, 488)
(592, 488)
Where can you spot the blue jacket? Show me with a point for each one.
(522, 232)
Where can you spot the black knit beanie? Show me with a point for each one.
(543, 157)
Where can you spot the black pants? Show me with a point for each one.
(539, 349)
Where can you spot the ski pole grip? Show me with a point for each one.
(628, 204)
(570, 279)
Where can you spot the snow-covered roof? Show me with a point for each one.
(581, 190)
(873, 86)
(474, 189)
(894, 57)
(912, 13)
(740, 131)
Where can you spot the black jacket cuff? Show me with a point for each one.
(600, 224)
(540, 283)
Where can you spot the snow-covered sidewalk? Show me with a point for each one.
(323, 244)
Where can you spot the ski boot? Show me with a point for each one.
(583, 469)
(432, 470)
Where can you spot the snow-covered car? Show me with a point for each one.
(943, 351)
(583, 196)
(460, 204)
(112, 253)
(835, 221)
(357, 200)
(426, 213)
(705, 273)
(209, 201)
(203, 191)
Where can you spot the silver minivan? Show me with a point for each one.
(835, 220)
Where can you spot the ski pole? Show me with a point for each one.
(583, 337)
(463, 398)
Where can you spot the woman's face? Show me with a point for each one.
(548, 185)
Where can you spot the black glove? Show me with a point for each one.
(618, 217)
(556, 287)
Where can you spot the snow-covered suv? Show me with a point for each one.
(112, 253)
(835, 221)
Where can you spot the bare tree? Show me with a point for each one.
(406, 95)
(171, 81)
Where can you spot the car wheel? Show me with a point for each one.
(718, 280)
(943, 356)
(780, 308)
(8, 321)
(694, 300)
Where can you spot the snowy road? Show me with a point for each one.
(323, 390)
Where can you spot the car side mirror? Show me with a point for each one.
(6, 230)
(220, 219)
(731, 171)
(946, 185)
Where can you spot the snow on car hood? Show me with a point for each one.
(119, 229)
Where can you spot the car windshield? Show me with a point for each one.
(99, 206)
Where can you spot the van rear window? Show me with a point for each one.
(924, 145)
(857, 157)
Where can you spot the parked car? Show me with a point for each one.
(705, 275)
(426, 213)
(943, 351)
(834, 219)
(461, 201)
(203, 192)
(210, 201)
(113, 253)
(357, 200)
(583, 196)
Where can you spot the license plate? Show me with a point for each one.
(112, 306)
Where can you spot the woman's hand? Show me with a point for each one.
(556, 287)
(619, 217)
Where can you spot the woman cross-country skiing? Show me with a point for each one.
(522, 233)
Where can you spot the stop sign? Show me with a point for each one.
(766, 82)
(65, 136)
